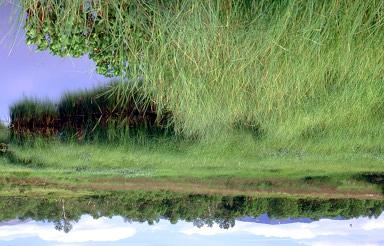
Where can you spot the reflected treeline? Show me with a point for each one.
(199, 209)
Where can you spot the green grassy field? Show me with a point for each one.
(193, 167)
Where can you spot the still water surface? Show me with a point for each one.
(141, 218)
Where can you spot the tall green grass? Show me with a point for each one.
(31, 117)
(100, 114)
(298, 70)
(89, 114)
(298, 74)
(32, 109)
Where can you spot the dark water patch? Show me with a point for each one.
(376, 178)
(321, 181)
(316, 179)
(273, 170)
(81, 168)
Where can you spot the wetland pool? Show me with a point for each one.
(164, 218)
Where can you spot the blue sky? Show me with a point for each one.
(27, 72)
(116, 231)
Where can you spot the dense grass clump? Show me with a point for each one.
(299, 70)
(33, 117)
(32, 109)
(90, 114)
(98, 113)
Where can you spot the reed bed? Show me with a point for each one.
(30, 117)
(88, 114)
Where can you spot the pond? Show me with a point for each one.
(164, 218)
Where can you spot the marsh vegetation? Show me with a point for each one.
(87, 115)
(265, 92)
(296, 73)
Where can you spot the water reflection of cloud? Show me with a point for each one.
(359, 231)
(344, 243)
(325, 232)
(86, 230)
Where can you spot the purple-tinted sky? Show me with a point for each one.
(25, 71)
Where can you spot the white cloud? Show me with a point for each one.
(293, 231)
(87, 229)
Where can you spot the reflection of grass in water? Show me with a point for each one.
(196, 208)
